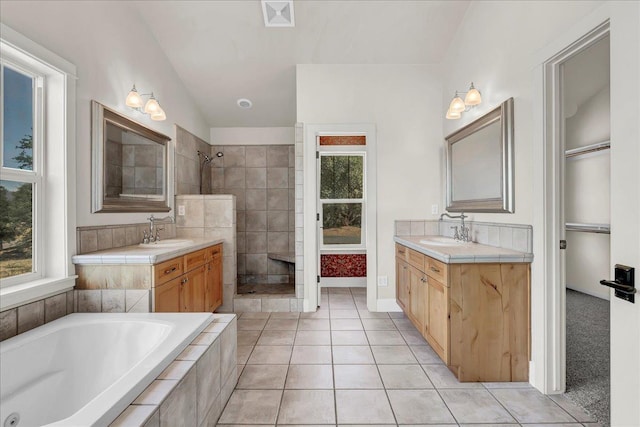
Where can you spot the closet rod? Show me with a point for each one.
(588, 149)
(588, 228)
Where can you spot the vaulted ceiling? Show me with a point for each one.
(222, 50)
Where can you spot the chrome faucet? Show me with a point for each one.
(154, 231)
(463, 233)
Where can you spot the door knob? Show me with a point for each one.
(624, 283)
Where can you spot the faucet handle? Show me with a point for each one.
(145, 237)
(457, 234)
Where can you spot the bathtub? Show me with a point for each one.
(86, 368)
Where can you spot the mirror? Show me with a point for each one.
(480, 164)
(129, 164)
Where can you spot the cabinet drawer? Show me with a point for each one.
(195, 259)
(436, 269)
(416, 259)
(214, 252)
(402, 252)
(168, 270)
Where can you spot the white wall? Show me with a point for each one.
(587, 196)
(252, 136)
(112, 49)
(403, 101)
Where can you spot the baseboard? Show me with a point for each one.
(388, 304)
(343, 282)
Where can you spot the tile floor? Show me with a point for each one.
(344, 365)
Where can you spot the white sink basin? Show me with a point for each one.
(167, 243)
(443, 241)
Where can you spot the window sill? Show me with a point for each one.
(24, 293)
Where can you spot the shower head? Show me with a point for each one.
(206, 157)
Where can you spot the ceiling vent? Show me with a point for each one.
(278, 13)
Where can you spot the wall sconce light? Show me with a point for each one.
(151, 107)
(458, 106)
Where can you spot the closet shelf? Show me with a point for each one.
(588, 228)
(592, 148)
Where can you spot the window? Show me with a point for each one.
(342, 199)
(37, 171)
(21, 192)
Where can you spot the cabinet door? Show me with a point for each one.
(167, 296)
(192, 296)
(402, 284)
(418, 298)
(438, 318)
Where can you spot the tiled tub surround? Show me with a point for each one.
(195, 387)
(101, 237)
(28, 316)
(262, 177)
(508, 236)
(213, 216)
(120, 280)
(96, 395)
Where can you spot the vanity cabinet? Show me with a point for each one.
(189, 283)
(475, 316)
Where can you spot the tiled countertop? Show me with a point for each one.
(148, 254)
(463, 253)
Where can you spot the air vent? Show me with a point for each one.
(244, 103)
(278, 13)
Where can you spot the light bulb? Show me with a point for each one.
(457, 104)
(152, 105)
(158, 115)
(134, 100)
(452, 115)
(473, 96)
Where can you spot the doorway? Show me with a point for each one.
(577, 218)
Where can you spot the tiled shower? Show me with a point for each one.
(262, 177)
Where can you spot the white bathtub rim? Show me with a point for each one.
(187, 325)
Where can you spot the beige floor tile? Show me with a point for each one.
(352, 355)
(530, 406)
(313, 325)
(378, 325)
(475, 406)
(366, 314)
(393, 354)
(385, 337)
(322, 313)
(285, 315)
(344, 314)
(425, 355)
(404, 324)
(251, 324)
(441, 377)
(404, 377)
(346, 325)
(313, 338)
(363, 407)
(252, 407)
(349, 338)
(307, 406)
(419, 407)
(342, 305)
(265, 377)
(574, 410)
(281, 325)
(307, 377)
(254, 315)
(270, 355)
(311, 355)
(357, 377)
(248, 337)
(243, 353)
(413, 337)
(276, 337)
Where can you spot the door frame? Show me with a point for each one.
(310, 250)
(548, 302)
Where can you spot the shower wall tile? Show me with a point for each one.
(256, 200)
(256, 156)
(277, 156)
(256, 177)
(278, 177)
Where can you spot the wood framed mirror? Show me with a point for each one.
(479, 164)
(129, 164)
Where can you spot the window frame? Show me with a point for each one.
(56, 221)
(346, 150)
(35, 176)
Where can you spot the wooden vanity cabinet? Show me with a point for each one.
(189, 283)
(475, 316)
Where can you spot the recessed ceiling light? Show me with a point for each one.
(244, 103)
(278, 13)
